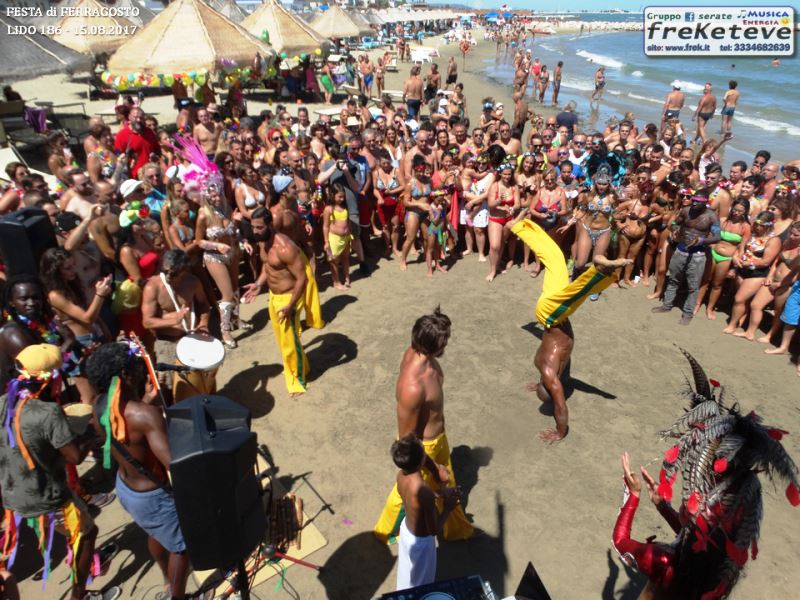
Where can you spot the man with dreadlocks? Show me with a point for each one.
(34, 448)
(719, 452)
(136, 434)
(558, 300)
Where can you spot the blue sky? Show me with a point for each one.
(633, 5)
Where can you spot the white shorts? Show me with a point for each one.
(416, 559)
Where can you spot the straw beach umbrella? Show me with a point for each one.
(143, 14)
(187, 36)
(90, 32)
(335, 23)
(28, 56)
(230, 9)
(286, 33)
(363, 25)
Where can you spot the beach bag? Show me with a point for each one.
(127, 296)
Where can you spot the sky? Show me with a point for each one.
(633, 5)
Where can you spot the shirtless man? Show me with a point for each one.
(521, 78)
(434, 82)
(599, 84)
(148, 501)
(522, 113)
(416, 555)
(557, 81)
(506, 142)
(413, 93)
(367, 75)
(286, 218)
(673, 105)
(622, 137)
(719, 198)
(704, 112)
(729, 101)
(452, 72)
(699, 228)
(656, 163)
(174, 304)
(79, 197)
(559, 299)
(420, 411)
(90, 142)
(422, 148)
(284, 272)
(207, 132)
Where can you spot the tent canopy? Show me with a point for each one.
(335, 23)
(287, 33)
(95, 39)
(229, 9)
(28, 56)
(364, 26)
(187, 35)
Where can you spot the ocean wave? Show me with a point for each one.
(551, 49)
(613, 92)
(575, 84)
(637, 74)
(645, 98)
(688, 86)
(768, 124)
(600, 59)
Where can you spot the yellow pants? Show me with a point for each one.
(560, 297)
(287, 332)
(457, 527)
(312, 307)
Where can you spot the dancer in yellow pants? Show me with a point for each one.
(559, 299)
(457, 527)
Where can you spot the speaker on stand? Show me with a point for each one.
(217, 494)
(24, 236)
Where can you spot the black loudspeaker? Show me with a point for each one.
(24, 236)
(471, 587)
(217, 495)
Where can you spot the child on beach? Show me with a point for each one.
(437, 233)
(336, 233)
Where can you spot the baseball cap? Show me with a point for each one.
(128, 187)
(67, 221)
(281, 182)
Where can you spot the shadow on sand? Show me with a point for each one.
(357, 568)
(249, 388)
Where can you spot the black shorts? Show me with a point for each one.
(452, 78)
(706, 116)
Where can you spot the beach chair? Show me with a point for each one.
(12, 115)
(10, 154)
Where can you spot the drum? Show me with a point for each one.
(202, 354)
(78, 417)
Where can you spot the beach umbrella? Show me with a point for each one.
(286, 33)
(335, 23)
(363, 25)
(90, 32)
(31, 55)
(230, 9)
(187, 38)
(141, 16)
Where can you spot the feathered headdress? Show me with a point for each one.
(202, 172)
(719, 453)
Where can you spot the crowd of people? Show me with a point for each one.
(164, 230)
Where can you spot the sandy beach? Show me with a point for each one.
(555, 506)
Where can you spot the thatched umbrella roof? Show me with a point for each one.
(188, 35)
(28, 56)
(144, 14)
(230, 9)
(363, 25)
(335, 23)
(287, 33)
(91, 33)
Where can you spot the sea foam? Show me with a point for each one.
(600, 59)
(688, 86)
(768, 124)
(637, 74)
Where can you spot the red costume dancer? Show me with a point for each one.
(719, 452)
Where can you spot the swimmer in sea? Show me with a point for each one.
(599, 84)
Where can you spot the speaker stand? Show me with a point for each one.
(242, 582)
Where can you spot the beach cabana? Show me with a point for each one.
(91, 33)
(335, 23)
(286, 33)
(143, 14)
(230, 9)
(187, 36)
(360, 20)
(32, 55)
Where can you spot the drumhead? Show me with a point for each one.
(200, 352)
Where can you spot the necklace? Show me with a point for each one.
(46, 331)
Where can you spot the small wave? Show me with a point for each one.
(688, 86)
(645, 98)
(551, 49)
(637, 74)
(768, 124)
(613, 92)
(574, 84)
(600, 59)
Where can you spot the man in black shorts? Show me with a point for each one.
(704, 112)
(452, 73)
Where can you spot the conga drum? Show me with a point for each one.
(203, 355)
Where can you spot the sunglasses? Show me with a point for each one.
(580, 144)
(536, 146)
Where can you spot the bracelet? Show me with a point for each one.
(102, 296)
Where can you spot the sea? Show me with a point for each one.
(767, 116)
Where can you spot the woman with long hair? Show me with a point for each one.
(734, 234)
(227, 168)
(529, 182)
(167, 158)
(66, 296)
(59, 161)
(475, 216)
(416, 202)
(388, 186)
(753, 264)
(631, 218)
(662, 211)
(503, 202)
(784, 210)
(216, 233)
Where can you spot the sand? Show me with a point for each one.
(554, 506)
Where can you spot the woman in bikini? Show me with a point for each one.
(662, 209)
(393, 145)
(529, 181)
(249, 194)
(754, 265)
(775, 290)
(59, 161)
(416, 203)
(503, 202)
(217, 235)
(475, 216)
(388, 186)
(734, 233)
(543, 82)
(448, 181)
(783, 209)
(632, 217)
(102, 163)
(380, 74)
(337, 237)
